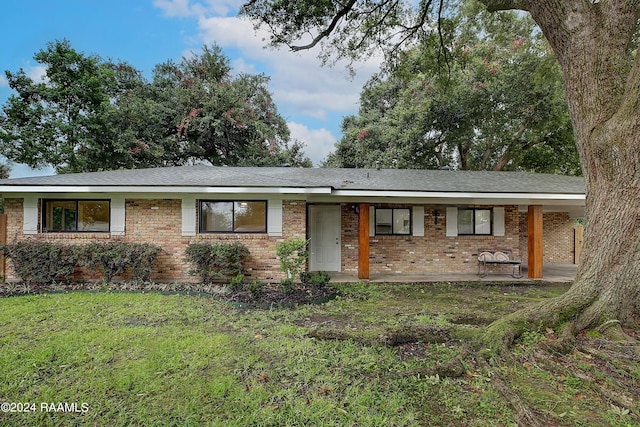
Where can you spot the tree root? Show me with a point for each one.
(525, 416)
(614, 394)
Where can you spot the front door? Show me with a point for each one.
(324, 238)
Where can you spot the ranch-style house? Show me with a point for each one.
(359, 222)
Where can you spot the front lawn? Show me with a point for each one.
(154, 359)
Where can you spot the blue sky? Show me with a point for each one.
(313, 99)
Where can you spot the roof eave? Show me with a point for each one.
(459, 195)
(160, 189)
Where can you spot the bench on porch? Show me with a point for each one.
(488, 258)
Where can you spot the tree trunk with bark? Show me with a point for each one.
(602, 80)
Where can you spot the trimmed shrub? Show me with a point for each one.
(216, 262)
(143, 260)
(36, 261)
(292, 254)
(114, 258)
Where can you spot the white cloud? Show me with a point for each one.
(186, 8)
(3, 81)
(318, 142)
(296, 78)
(303, 89)
(37, 73)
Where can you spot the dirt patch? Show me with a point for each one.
(272, 295)
(412, 350)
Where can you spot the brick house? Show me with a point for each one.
(360, 222)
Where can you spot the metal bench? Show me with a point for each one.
(488, 258)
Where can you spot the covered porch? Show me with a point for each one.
(552, 272)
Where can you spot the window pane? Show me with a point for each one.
(401, 221)
(250, 217)
(384, 221)
(483, 221)
(465, 221)
(93, 216)
(216, 216)
(61, 215)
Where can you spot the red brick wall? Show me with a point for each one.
(433, 253)
(159, 221)
(557, 232)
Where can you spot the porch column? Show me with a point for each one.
(363, 241)
(536, 242)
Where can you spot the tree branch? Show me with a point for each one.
(496, 5)
(327, 31)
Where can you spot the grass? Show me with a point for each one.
(152, 359)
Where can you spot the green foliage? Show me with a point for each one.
(237, 282)
(37, 262)
(498, 104)
(143, 259)
(216, 261)
(90, 114)
(287, 285)
(320, 279)
(256, 287)
(292, 254)
(115, 258)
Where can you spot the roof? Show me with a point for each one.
(324, 180)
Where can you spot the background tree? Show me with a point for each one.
(594, 44)
(89, 114)
(497, 103)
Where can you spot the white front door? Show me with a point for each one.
(324, 238)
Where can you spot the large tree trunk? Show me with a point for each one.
(593, 43)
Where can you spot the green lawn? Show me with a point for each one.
(153, 359)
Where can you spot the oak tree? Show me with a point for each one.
(496, 103)
(594, 42)
(89, 114)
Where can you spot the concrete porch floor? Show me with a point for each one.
(555, 273)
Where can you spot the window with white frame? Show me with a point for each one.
(474, 221)
(393, 221)
(233, 216)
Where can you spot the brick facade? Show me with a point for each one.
(159, 221)
(432, 253)
(558, 235)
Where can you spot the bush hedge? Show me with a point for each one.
(216, 262)
(36, 261)
(115, 258)
(39, 262)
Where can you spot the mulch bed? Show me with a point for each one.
(271, 295)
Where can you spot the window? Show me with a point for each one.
(474, 221)
(393, 221)
(233, 217)
(76, 215)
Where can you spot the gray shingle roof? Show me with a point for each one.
(417, 180)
